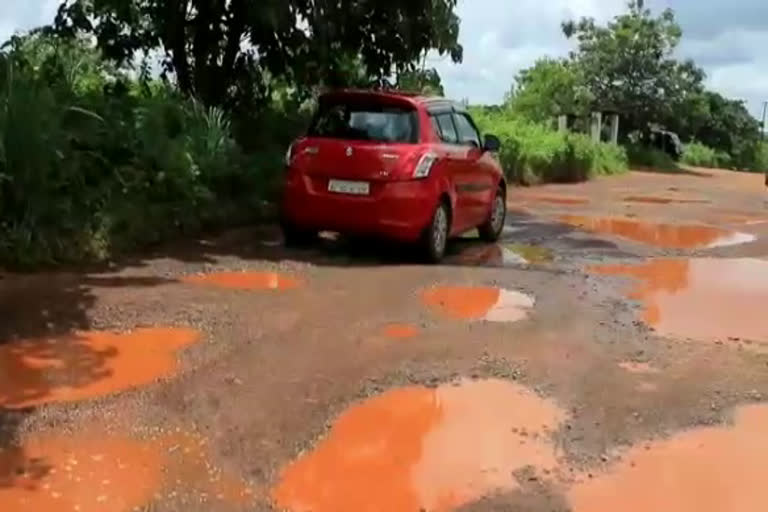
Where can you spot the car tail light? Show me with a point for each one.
(425, 165)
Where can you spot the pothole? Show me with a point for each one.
(704, 299)
(401, 331)
(671, 236)
(96, 472)
(479, 303)
(246, 280)
(418, 448)
(701, 470)
(86, 365)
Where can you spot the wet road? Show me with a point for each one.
(609, 353)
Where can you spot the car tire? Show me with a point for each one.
(294, 236)
(491, 230)
(436, 235)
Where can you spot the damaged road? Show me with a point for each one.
(608, 354)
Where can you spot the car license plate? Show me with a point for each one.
(358, 188)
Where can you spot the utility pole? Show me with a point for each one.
(765, 110)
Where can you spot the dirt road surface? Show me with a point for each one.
(609, 354)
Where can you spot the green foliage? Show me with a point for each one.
(312, 43)
(532, 153)
(629, 65)
(92, 163)
(426, 82)
(650, 158)
(547, 89)
(700, 155)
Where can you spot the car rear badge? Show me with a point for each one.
(349, 151)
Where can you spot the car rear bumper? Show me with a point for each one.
(399, 210)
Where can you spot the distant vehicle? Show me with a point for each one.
(666, 141)
(394, 165)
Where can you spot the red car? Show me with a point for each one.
(393, 165)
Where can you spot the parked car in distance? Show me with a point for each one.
(398, 166)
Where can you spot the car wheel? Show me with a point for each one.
(491, 230)
(436, 235)
(295, 236)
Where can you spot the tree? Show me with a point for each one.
(424, 81)
(220, 50)
(629, 65)
(549, 88)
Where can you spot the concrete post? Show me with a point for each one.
(562, 123)
(614, 128)
(596, 125)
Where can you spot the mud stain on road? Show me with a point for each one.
(247, 280)
(479, 303)
(97, 472)
(702, 470)
(401, 331)
(664, 200)
(417, 448)
(487, 255)
(556, 199)
(703, 299)
(671, 236)
(87, 365)
(639, 368)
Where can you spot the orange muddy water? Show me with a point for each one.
(109, 473)
(702, 470)
(705, 299)
(478, 303)
(246, 280)
(401, 331)
(418, 448)
(670, 236)
(86, 365)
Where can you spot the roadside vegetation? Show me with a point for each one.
(662, 91)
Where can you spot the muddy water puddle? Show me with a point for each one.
(87, 365)
(419, 448)
(401, 331)
(479, 303)
(246, 280)
(671, 236)
(98, 472)
(705, 299)
(556, 199)
(701, 470)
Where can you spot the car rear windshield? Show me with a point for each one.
(366, 121)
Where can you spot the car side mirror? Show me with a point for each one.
(491, 143)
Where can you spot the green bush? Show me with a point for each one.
(101, 163)
(649, 157)
(698, 154)
(533, 153)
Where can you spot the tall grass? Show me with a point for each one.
(92, 162)
(533, 153)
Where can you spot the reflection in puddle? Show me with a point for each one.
(86, 365)
(487, 255)
(671, 236)
(531, 253)
(102, 473)
(401, 331)
(418, 448)
(705, 299)
(663, 200)
(246, 280)
(557, 199)
(479, 303)
(702, 470)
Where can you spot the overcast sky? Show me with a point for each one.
(728, 38)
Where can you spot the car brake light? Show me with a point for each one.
(425, 165)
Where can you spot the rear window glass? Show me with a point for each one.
(381, 123)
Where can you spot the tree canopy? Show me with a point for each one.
(226, 50)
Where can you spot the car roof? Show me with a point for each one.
(393, 95)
